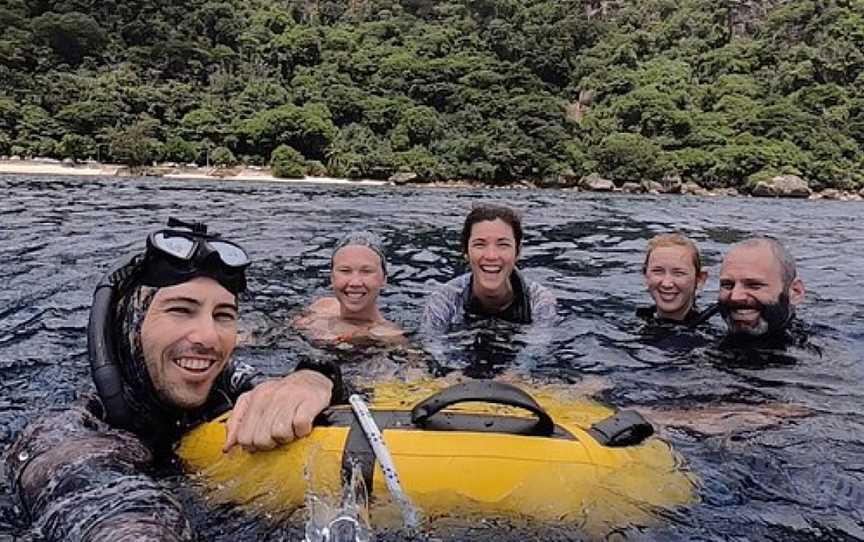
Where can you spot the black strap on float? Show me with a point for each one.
(624, 428)
(485, 392)
(426, 415)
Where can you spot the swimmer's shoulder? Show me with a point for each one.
(321, 309)
(387, 331)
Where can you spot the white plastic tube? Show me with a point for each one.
(409, 513)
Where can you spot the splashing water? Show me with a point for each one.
(344, 521)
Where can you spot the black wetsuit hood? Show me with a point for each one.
(127, 397)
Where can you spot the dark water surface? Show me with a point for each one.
(802, 479)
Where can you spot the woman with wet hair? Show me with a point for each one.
(673, 275)
(491, 243)
(358, 272)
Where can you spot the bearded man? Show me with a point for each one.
(759, 291)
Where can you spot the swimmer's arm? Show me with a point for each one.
(544, 307)
(539, 335)
(726, 418)
(439, 310)
(280, 410)
(389, 333)
(79, 479)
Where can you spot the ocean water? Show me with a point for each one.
(799, 476)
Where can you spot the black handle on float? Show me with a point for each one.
(483, 392)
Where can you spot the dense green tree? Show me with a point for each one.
(71, 36)
(8, 114)
(76, 146)
(5, 143)
(309, 129)
(714, 91)
(222, 156)
(287, 162)
(629, 157)
(358, 152)
(177, 149)
(136, 144)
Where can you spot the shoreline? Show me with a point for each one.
(37, 167)
(259, 174)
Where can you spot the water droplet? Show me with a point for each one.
(23, 456)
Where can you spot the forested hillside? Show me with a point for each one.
(716, 91)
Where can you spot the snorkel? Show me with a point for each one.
(172, 256)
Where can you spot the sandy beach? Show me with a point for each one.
(37, 167)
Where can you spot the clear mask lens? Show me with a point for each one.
(231, 254)
(175, 245)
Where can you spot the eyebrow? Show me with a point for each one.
(496, 239)
(193, 301)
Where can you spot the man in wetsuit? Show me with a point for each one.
(759, 290)
(161, 334)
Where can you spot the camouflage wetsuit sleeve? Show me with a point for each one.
(445, 306)
(544, 311)
(79, 480)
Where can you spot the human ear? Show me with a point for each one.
(701, 277)
(796, 291)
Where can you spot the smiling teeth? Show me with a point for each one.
(490, 268)
(194, 364)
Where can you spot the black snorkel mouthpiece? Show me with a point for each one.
(173, 256)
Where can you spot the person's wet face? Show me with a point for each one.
(357, 277)
(672, 280)
(492, 254)
(188, 334)
(754, 300)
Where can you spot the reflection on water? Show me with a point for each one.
(797, 479)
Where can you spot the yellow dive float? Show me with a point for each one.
(465, 451)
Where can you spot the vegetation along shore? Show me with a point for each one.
(764, 97)
(783, 186)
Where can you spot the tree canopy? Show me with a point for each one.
(711, 91)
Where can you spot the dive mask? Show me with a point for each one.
(176, 255)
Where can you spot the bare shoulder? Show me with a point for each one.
(325, 307)
(387, 331)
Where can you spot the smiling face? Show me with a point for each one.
(753, 299)
(188, 334)
(672, 280)
(357, 278)
(492, 254)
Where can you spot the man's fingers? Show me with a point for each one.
(234, 422)
(278, 411)
(283, 428)
(304, 416)
(262, 440)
